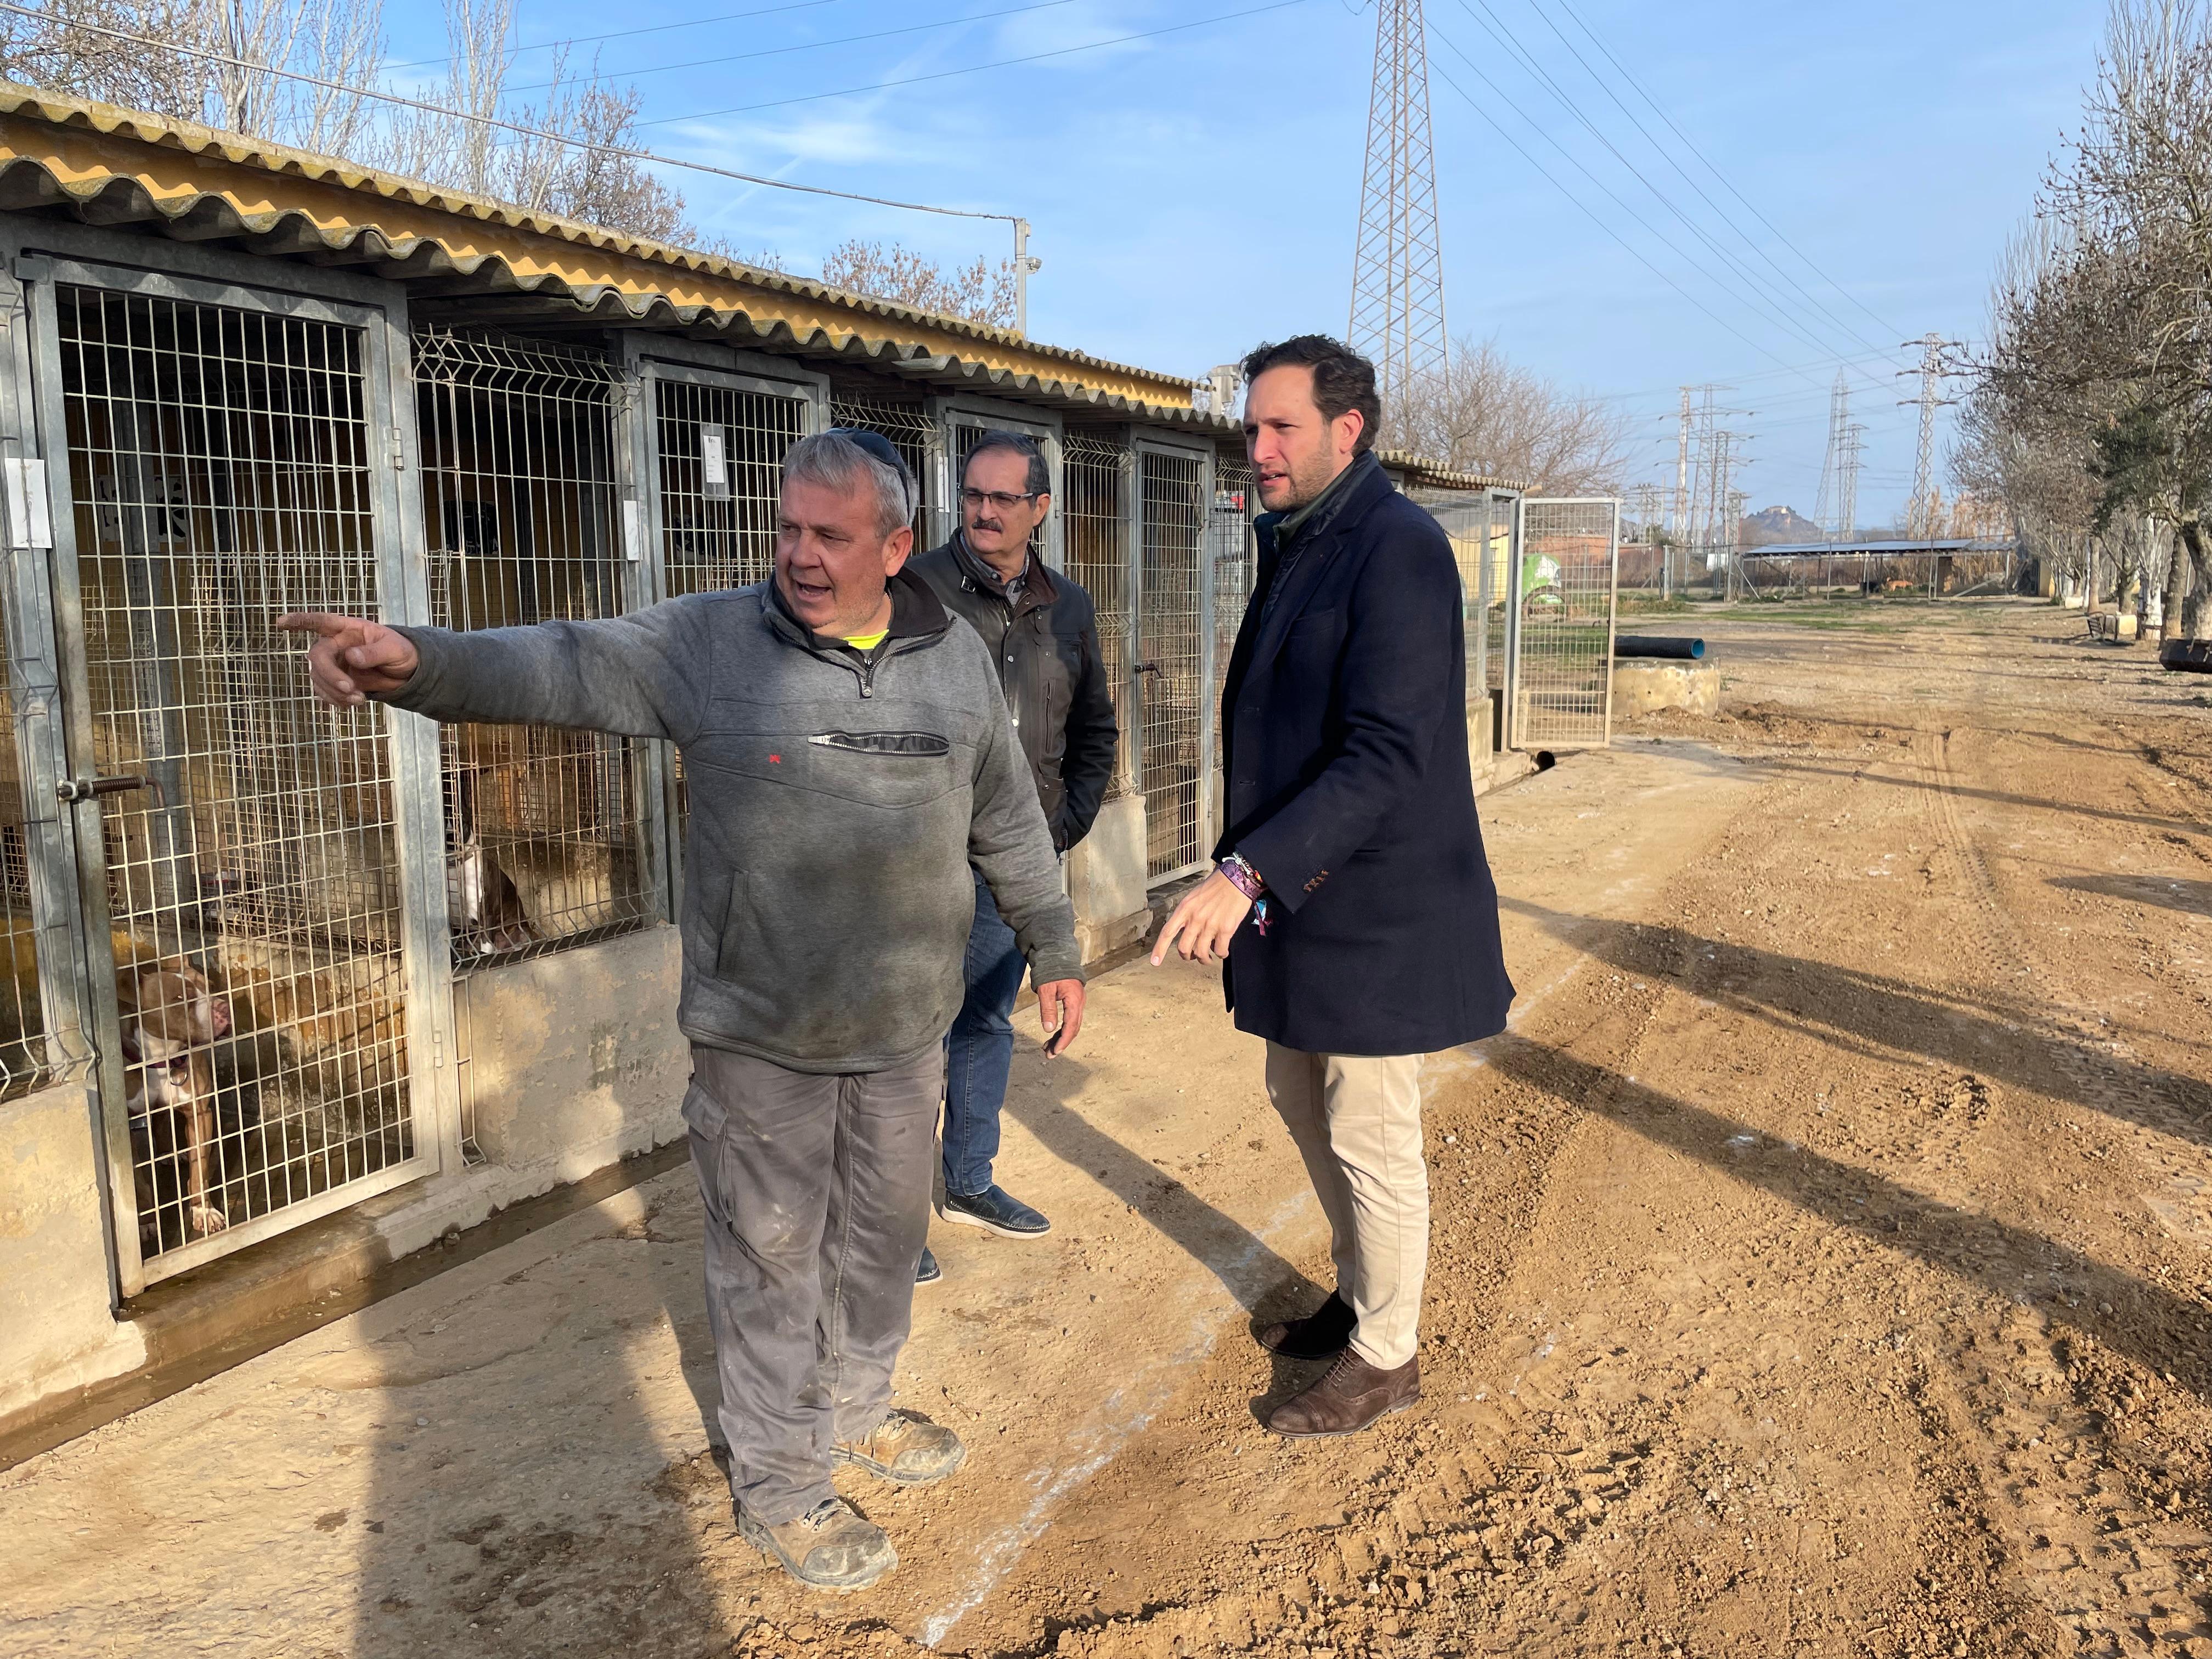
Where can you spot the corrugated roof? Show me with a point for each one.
(468, 256)
(114, 165)
(1423, 473)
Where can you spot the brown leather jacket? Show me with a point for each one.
(1052, 671)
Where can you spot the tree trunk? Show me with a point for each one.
(2176, 584)
(2193, 606)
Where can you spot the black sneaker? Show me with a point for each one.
(993, 1211)
(927, 1272)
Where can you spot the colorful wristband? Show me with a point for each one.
(1243, 877)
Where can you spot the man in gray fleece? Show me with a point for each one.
(849, 757)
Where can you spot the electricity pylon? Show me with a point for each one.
(1398, 270)
(1829, 510)
(1920, 518)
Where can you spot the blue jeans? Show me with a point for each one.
(978, 1050)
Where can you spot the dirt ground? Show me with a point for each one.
(1820, 1267)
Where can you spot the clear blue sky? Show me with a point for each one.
(1195, 191)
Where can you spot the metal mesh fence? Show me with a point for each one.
(721, 464)
(544, 826)
(35, 1047)
(1564, 677)
(913, 435)
(722, 461)
(1236, 557)
(220, 461)
(1472, 522)
(1171, 659)
(1094, 531)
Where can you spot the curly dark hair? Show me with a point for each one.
(1342, 378)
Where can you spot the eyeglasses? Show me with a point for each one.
(1003, 500)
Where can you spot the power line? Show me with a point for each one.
(1634, 253)
(1752, 303)
(1689, 144)
(974, 69)
(816, 45)
(1756, 296)
(623, 34)
(622, 151)
(1607, 87)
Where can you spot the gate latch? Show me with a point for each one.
(1145, 668)
(74, 789)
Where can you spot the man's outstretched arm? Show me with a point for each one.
(640, 676)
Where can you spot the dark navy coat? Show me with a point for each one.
(1344, 723)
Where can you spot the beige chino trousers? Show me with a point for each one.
(1356, 1120)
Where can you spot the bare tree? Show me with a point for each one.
(2100, 361)
(981, 292)
(245, 89)
(289, 71)
(1487, 414)
(590, 184)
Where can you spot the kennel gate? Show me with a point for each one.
(1564, 581)
(714, 451)
(1171, 680)
(215, 455)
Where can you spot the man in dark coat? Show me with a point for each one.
(1351, 880)
(1042, 635)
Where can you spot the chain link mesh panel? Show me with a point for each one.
(38, 1045)
(1172, 662)
(1564, 680)
(1235, 558)
(912, 434)
(1095, 476)
(221, 465)
(721, 467)
(544, 826)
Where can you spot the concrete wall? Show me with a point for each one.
(1106, 879)
(574, 1059)
(56, 1332)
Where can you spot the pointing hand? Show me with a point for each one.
(352, 659)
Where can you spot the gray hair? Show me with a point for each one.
(1039, 480)
(836, 460)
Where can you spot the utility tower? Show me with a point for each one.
(1398, 270)
(1920, 517)
(1847, 475)
(1830, 510)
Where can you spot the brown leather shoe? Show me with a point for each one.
(1321, 1334)
(1353, 1395)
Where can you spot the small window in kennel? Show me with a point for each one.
(544, 826)
(221, 462)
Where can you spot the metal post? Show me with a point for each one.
(1024, 268)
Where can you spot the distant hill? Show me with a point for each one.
(1779, 524)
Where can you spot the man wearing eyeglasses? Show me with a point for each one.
(850, 766)
(1042, 635)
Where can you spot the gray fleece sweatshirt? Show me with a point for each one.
(836, 803)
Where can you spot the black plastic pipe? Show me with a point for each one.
(1668, 646)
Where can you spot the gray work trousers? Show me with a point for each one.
(816, 1191)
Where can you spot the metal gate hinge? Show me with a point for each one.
(398, 449)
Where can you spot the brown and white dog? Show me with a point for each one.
(171, 1019)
